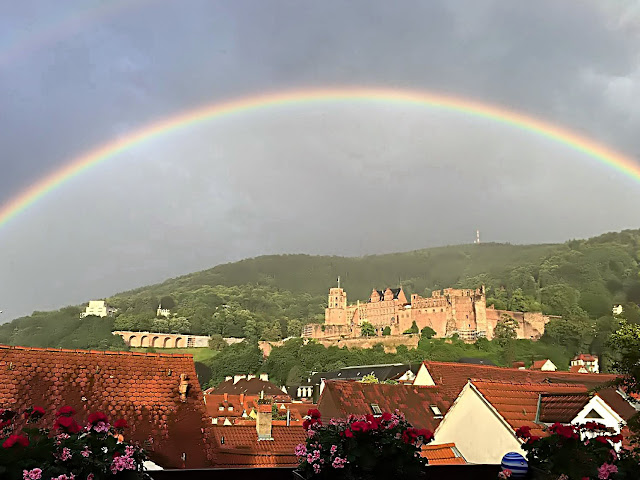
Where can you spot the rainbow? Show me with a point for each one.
(463, 106)
(63, 27)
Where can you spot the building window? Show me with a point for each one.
(436, 411)
(230, 408)
(221, 408)
(375, 408)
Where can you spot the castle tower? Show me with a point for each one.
(336, 311)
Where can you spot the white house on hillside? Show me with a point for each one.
(98, 308)
(588, 361)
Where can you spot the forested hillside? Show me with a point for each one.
(271, 297)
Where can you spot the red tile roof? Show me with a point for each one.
(561, 408)
(586, 357)
(238, 446)
(581, 369)
(340, 399)
(538, 364)
(253, 386)
(443, 454)
(517, 403)
(143, 388)
(617, 402)
(452, 377)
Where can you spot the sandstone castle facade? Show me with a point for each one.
(448, 312)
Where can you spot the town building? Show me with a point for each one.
(98, 308)
(448, 312)
(163, 340)
(163, 312)
(617, 310)
(157, 394)
(544, 365)
(586, 360)
(250, 385)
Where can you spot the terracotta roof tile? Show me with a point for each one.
(443, 454)
(238, 446)
(452, 377)
(615, 400)
(561, 408)
(253, 386)
(517, 403)
(340, 399)
(143, 388)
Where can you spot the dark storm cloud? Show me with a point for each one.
(320, 179)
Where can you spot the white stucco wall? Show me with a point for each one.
(478, 432)
(609, 417)
(423, 377)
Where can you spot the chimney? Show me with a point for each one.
(237, 378)
(288, 417)
(242, 399)
(183, 388)
(264, 419)
(226, 397)
(264, 377)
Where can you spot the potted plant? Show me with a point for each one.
(578, 452)
(361, 448)
(32, 447)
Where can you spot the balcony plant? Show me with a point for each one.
(578, 452)
(361, 448)
(34, 446)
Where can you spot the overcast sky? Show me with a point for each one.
(343, 178)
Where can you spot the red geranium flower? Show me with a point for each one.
(66, 411)
(348, 433)
(523, 432)
(97, 417)
(386, 416)
(601, 439)
(20, 440)
(34, 413)
(121, 423)
(314, 413)
(67, 424)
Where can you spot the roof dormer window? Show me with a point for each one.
(375, 408)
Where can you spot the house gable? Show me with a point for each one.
(423, 377)
(479, 432)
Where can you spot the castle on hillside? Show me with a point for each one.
(448, 312)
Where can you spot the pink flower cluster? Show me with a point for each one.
(34, 474)
(605, 470)
(64, 477)
(339, 462)
(65, 454)
(301, 450)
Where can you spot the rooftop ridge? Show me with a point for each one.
(513, 382)
(538, 372)
(103, 352)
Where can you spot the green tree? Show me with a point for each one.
(160, 325)
(216, 342)
(168, 302)
(367, 330)
(518, 302)
(370, 378)
(505, 331)
(294, 328)
(179, 325)
(427, 332)
(412, 329)
(386, 331)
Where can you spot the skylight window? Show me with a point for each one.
(375, 408)
(436, 411)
